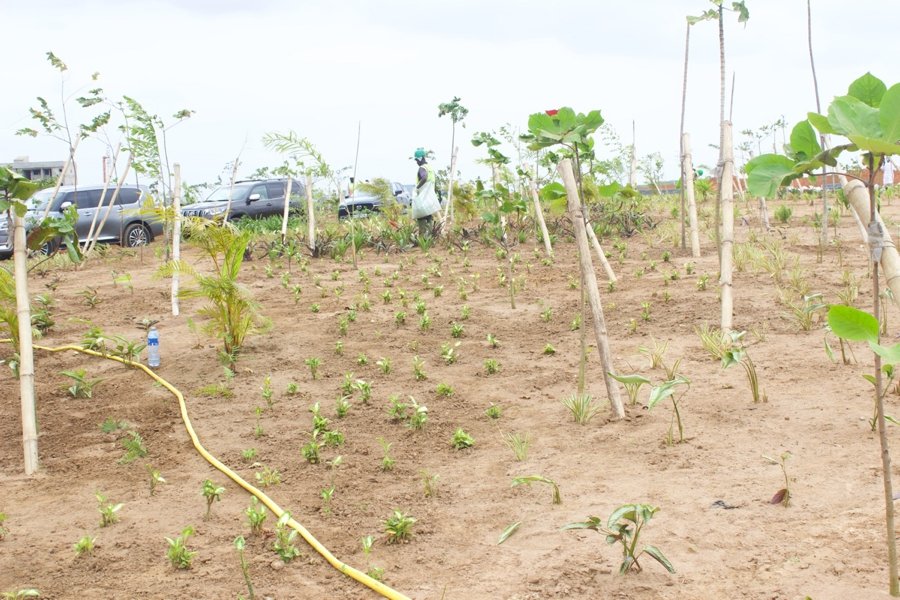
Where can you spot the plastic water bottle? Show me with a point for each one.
(153, 348)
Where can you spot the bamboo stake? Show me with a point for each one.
(539, 213)
(102, 199)
(600, 253)
(26, 348)
(112, 201)
(576, 213)
(176, 239)
(687, 186)
(311, 213)
(287, 209)
(727, 255)
(448, 210)
(858, 197)
(764, 214)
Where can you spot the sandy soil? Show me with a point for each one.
(716, 523)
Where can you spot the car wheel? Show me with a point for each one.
(135, 234)
(49, 248)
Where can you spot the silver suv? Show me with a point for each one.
(126, 222)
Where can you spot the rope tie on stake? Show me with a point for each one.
(875, 233)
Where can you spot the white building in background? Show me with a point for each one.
(40, 170)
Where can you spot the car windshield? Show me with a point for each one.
(220, 194)
(40, 199)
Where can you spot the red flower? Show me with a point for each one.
(551, 112)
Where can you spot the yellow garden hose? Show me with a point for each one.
(344, 568)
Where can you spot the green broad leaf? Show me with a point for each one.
(610, 190)
(592, 121)
(732, 357)
(709, 15)
(851, 116)
(868, 89)
(626, 511)
(630, 379)
(889, 114)
(664, 390)
(804, 141)
(869, 378)
(890, 354)
(830, 155)
(741, 9)
(591, 523)
(765, 173)
(852, 324)
(875, 146)
(552, 191)
(657, 554)
(508, 532)
(626, 564)
(821, 123)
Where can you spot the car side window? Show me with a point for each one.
(276, 189)
(126, 196)
(86, 198)
(261, 190)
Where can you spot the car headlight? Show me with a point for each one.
(215, 211)
(4, 224)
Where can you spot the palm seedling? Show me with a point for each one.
(529, 479)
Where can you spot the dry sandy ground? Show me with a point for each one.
(828, 544)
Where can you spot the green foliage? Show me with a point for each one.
(285, 537)
(783, 214)
(632, 384)
(256, 515)
(178, 553)
(84, 546)
(398, 527)
(212, 493)
(581, 406)
(461, 439)
(624, 527)
(667, 390)
(109, 512)
(82, 387)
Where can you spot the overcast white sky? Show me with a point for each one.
(319, 67)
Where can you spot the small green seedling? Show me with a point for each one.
(178, 553)
(632, 384)
(444, 389)
(134, 447)
(3, 530)
(667, 390)
(655, 353)
(782, 496)
(268, 476)
(313, 364)
(21, 593)
(109, 512)
(327, 494)
(429, 484)
(461, 439)
(492, 340)
(449, 353)
(81, 386)
(212, 493)
(284, 539)
(387, 462)
(267, 391)
(418, 415)
(239, 545)
(385, 365)
(456, 330)
(491, 366)
(549, 350)
(376, 573)
(518, 443)
(156, 478)
(419, 369)
(737, 354)
(582, 407)
(529, 479)
(624, 527)
(256, 515)
(248, 454)
(494, 411)
(84, 546)
(398, 527)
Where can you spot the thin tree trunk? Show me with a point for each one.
(726, 255)
(539, 214)
(576, 213)
(687, 187)
(812, 64)
(721, 168)
(632, 167)
(601, 256)
(311, 213)
(287, 209)
(682, 150)
(26, 348)
(764, 214)
(176, 238)
(234, 169)
(448, 210)
(62, 175)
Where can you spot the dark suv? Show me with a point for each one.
(129, 222)
(253, 198)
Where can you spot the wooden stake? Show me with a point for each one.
(93, 241)
(26, 348)
(727, 254)
(102, 198)
(287, 208)
(539, 214)
(576, 213)
(601, 255)
(687, 186)
(311, 213)
(176, 239)
(65, 170)
(448, 210)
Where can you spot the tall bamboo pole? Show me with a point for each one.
(687, 188)
(176, 239)
(576, 213)
(539, 214)
(311, 213)
(106, 180)
(448, 209)
(727, 257)
(687, 47)
(26, 348)
(285, 213)
(601, 255)
(89, 247)
(65, 170)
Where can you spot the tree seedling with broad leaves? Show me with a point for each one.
(782, 496)
(212, 493)
(624, 527)
(667, 390)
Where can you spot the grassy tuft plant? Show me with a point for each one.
(491, 366)
(84, 546)
(582, 407)
(713, 341)
(655, 353)
(632, 384)
(518, 443)
(429, 484)
(268, 476)
(494, 411)
(737, 354)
